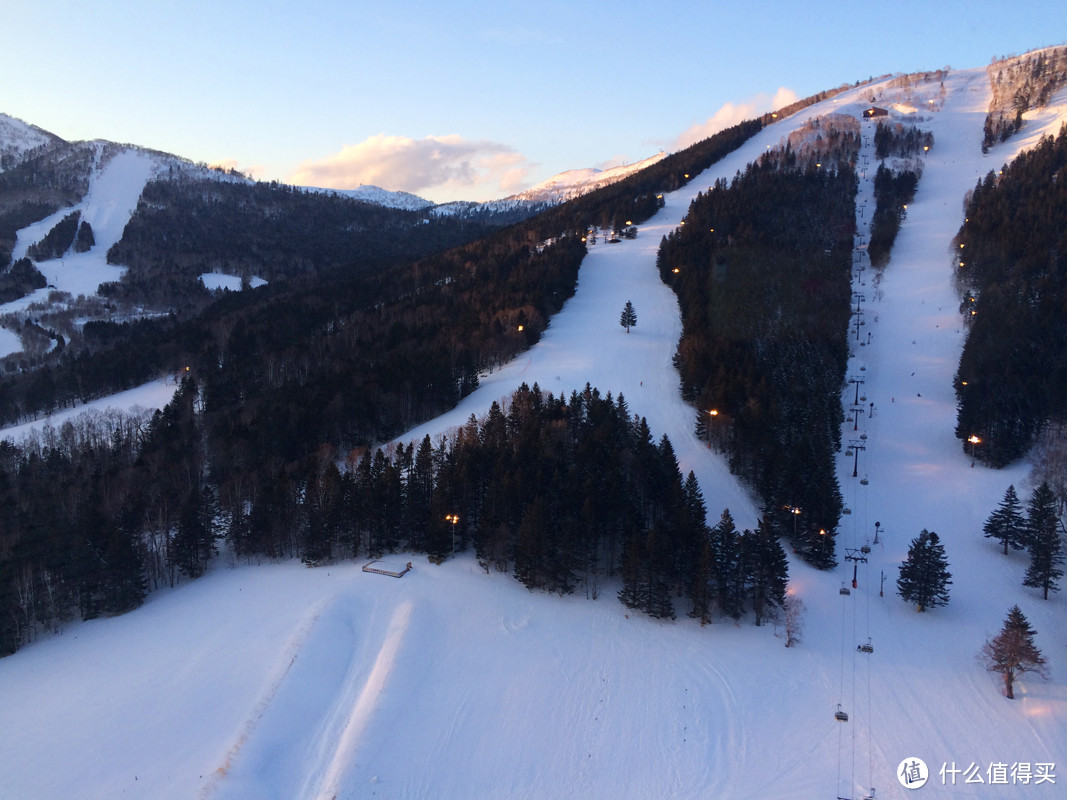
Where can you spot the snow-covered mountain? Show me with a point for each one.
(576, 182)
(287, 682)
(381, 197)
(17, 138)
(558, 189)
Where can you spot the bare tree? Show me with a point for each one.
(794, 611)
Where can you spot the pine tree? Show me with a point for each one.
(768, 570)
(701, 584)
(1007, 522)
(728, 566)
(1013, 652)
(1043, 541)
(193, 543)
(924, 577)
(628, 318)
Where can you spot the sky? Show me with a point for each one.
(465, 100)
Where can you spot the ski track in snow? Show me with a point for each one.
(451, 683)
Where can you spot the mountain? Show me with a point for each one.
(455, 681)
(557, 189)
(17, 138)
(575, 182)
(383, 197)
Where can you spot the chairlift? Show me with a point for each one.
(840, 715)
(866, 648)
(849, 453)
(864, 481)
(846, 510)
(865, 549)
(844, 589)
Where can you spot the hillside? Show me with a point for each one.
(280, 681)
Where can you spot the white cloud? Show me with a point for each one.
(733, 113)
(447, 167)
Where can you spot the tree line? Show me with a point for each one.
(1011, 270)
(561, 492)
(762, 270)
(1020, 84)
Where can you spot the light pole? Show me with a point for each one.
(973, 440)
(453, 518)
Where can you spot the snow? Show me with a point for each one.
(150, 396)
(382, 197)
(9, 342)
(580, 181)
(278, 681)
(216, 280)
(114, 189)
(17, 137)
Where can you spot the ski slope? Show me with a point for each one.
(278, 681)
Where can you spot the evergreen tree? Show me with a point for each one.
(701, 584)
(635, 591)
(628, 318)
(194, 542)
(1043, 541)
(660, 604)
(924, 577)
(768, 570)
(728, 566)
(1013, 652)
(1007, 523)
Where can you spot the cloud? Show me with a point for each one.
(448, 167)
(733, 113)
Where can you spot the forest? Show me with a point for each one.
(283, 373)
(268, 448)
(895, 184)
(1012, 275)
(1019, 85)
(762, 270)
(562, 492)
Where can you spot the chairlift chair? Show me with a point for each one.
(840, 715)
(866, 648)
(844, 589)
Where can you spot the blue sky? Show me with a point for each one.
(469, 100)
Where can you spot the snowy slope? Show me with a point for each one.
(282, 682)
(575, 182)
(114, 188)
(18, 137)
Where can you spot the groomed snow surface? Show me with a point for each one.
(278, 681)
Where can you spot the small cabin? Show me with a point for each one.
(875, 111)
